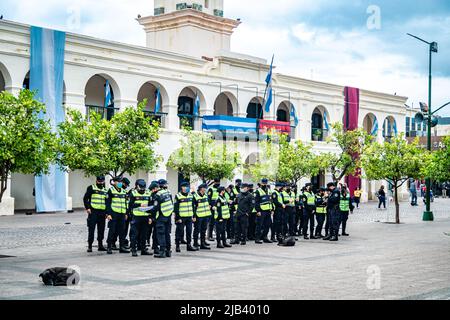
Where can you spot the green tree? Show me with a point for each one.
(439, 168)
(27, 144)
(125, 144)
(268, 159)
(204, 157)
(395, 161)
(350, 146)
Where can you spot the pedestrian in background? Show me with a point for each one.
(381, 197)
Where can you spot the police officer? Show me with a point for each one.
(321, 212)
(126, 183)
(229, 195)
(184, 217)
(139, 198)
(221, 216)
(333, 211)
(95, 204)
(151, 235)
(290, 210)
(345, 206)
(164, 209)
(213, 195)
(252, 217)
(246, 203)
(202, 215)
(263, 206)
(116, 208)
(309, 201)
(278, 217)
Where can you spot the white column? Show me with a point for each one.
(121, 104)
(172, 122)
(75, 101)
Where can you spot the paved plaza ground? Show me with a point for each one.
(378, 261)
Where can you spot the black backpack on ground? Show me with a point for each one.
(59, 277)
(288, 242)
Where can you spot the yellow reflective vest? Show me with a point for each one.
(185, 209)
(98, 198)
(118, 200)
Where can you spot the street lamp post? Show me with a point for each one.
(428, 214)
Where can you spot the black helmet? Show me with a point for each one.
(221, 189)
(162, 182)
(126, 181)
(154, 185)
(185, 184)
(141, 183)
(118, 179)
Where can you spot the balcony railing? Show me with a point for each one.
(319, 134)
(105, 112)
(158, 116)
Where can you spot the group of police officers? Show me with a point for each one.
(238, 213)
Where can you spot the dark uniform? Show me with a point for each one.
(213, 195)
(334, 212)
(126, 187)
(345, 206)
(321, 212)
(164, 209)
(116, 208)
(202, 214)
(309, 201)
(95, 200)
(263, 206)
(234, 191)
(279, 218)
(290, 212)
(246, 203)
(140, 220)
(221, 216)
(184, 213)
(151, 235)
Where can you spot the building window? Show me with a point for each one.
(408, 126)
(159, 11)
(197, 7)
(181, 6)
(413, 124)
(218, 13)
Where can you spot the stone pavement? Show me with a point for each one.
(378, 261)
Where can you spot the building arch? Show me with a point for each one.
(148, 91)
(370, 124)
(5, 78)
(225, 104)
(320, 127)
(186, 105)
(95, 92)
(389, 128)
(255, 108)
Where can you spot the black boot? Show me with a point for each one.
(109, 251)
(124, 250)
(334, 238)
(101, 248)
(134, 253)
(191, 248)
(258, 241)
(168, 253)
(196, 244)
(226, 245)
(345, 234)
(203, 246)
(327, 237)
(206, 243)
(220, 245)
(160, 255)
(114, 247)
(312, 237)
(266, 240)
(183, 241)
(89, 249)
(178, 249)
(146, 253)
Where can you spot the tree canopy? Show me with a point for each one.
(27, 143)
(125, 144)
(439, 168)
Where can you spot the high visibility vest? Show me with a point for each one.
(98, 198)
(279, 196)
(202, 210)
(141, 199)
(344, 204)
(166, 205)
(321, 208)
(215, 194)
(225, 209)
(286, 197)
(185, 205)
(310, 198)
(118, 200)
(291, 199)
(266, 201)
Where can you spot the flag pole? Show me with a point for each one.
(265, 91)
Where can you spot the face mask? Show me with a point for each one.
(100, 185)
(188, 190)
(119, 185)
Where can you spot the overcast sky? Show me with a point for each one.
(358, 43)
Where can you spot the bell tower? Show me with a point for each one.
(191, 27)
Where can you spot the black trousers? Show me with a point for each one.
(138, 232)
(200, 227)
(252, 225)
(220, 231)
(302, 219)
(163, 230)
(343, 218)
(211, 224)
(230, 226)
(263, 224)
(334, 221)
(127, 226)
(116, 229)
(242, 227)
(151, 234)
(320, 218)
(297, 220)
(308, 218)
(280, 223)
(96, 219)
(186, 223)
(290, 216)
(327, 223)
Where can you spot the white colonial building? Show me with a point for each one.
(228, 83)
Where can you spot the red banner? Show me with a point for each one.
(266, 125)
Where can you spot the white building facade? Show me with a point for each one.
(227, 83)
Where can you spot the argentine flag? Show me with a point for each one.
(294, 115)
(158, 101)
(108, 96)
(197, 105)
(325, 121)
(269, 87)
(395, 128)
(375, 127)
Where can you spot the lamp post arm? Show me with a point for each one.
(435, 111)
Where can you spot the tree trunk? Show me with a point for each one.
(3, 182)
(397, 205)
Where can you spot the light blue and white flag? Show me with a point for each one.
(269, 89)
(294, 115)
(158, 100)
(227, 123)
(374, 127)
(108, 95)
(325, 121)
(394, 126)
(46, 77)
(197, 105)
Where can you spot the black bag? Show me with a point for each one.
(60, 277)
(288, 242)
